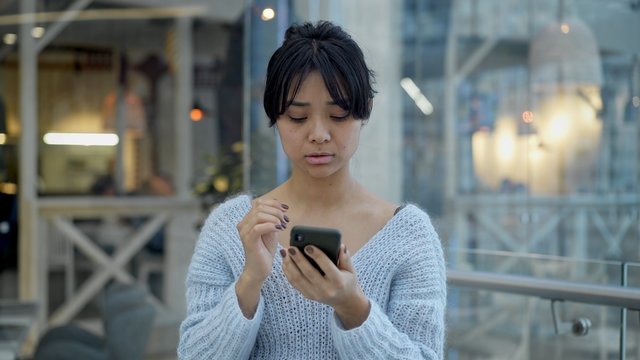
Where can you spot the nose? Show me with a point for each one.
(318, 132)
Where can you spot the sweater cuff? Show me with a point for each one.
(232, 328)
(338, 326)
(230, 300)
(359, 341)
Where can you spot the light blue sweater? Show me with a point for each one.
(401, 270)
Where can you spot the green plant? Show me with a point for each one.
(221, 177)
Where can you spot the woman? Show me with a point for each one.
(385, 299)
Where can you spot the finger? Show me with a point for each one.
(263, 218)
(344, 260)
(259, 225)
(274, 203)
(321, 259)
(273, 209)
(310, 272)
(264, 229)
(291, 270)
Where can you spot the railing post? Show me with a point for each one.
(623, 314)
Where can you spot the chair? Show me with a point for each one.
(127, 317)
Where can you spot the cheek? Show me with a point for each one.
(288, 139)
(352, 141)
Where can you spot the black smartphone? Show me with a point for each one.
(326, 239)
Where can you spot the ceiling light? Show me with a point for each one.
(267, 14)
(85, 139)
(37, 32)
(10, 38)
(418, 97)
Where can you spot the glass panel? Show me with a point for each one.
(490, 325)
(497, 325)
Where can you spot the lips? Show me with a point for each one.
(319, 158)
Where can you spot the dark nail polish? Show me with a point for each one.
(283, 252)
(345, 250)
(278, 227)
(284, 226)
(292, 251)
(286, 218)
(308, 249)
(285, 206)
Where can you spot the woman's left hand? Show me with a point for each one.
(338, 288)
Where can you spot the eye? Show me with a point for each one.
(297, 119)
(340, 117)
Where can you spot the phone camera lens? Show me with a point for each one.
(298, 237)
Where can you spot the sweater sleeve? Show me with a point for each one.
(215, 326)
(413, 325)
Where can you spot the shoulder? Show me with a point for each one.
(218, 237)
(419, 241)
(222, 220)
(414, 225)
(411, 217)
(231, 210)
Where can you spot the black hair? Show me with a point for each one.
(327, 48)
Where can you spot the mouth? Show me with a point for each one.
(319, 158)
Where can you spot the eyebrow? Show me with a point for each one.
(300, 103)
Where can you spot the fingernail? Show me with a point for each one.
(283, 252)
(286, 218)
(284, 226)
(278, 227)
(285, 206)
(308, 249)
(292, 251)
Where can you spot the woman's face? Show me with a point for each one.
(318, 136)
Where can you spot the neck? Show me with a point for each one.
(326, 193)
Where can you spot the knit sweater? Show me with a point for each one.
(400, 269)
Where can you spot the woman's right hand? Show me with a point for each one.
(258, 231)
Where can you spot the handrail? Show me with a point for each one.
(616, 296)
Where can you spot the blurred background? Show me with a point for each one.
(514, 123)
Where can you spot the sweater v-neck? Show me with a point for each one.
(371, 240)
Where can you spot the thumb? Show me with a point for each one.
(344, 260)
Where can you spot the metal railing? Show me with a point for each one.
(616, 296)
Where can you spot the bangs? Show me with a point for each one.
(334, 83)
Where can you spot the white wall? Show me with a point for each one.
(374, 24)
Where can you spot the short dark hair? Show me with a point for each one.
(327, 48)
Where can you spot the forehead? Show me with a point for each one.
(311, 84)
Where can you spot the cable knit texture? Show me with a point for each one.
(401, 270)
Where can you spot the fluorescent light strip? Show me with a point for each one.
(3, 138)
(418, 97)
(86, 139)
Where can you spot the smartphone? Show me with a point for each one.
(326, 239)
